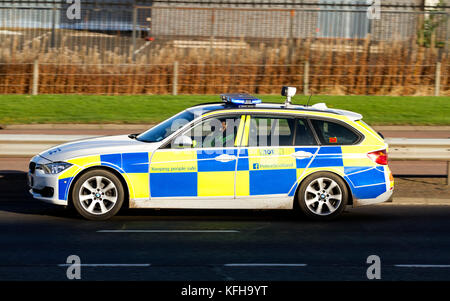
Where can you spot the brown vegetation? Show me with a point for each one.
(336, 67)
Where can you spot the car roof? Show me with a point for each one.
(204, 108)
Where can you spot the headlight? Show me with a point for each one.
(54, 168)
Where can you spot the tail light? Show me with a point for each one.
(379, 157)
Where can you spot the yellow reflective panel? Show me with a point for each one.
(371, 140)
(242, 183)
(371, 137)
(300, 173)
(271, 158)
(86, 161)
(208, 183)
(138, 184)
(174, 161)
(356, 155)
(70, 172)
(367, 128)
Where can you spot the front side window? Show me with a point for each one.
(331, 133)
(214, 132)
(167, 127)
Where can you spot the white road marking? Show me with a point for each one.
(422, 265)
(167, 231)
(246, 265)
(265, 264)
(108, 265)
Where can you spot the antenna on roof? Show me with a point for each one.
(309, 99)
(289, 92)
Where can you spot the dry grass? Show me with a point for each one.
(336, 67)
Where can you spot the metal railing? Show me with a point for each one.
(125, 29)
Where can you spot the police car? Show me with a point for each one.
(238, 153)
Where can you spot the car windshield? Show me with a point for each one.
(167, 127)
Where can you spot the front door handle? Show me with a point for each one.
(301, 155)
(225, 158)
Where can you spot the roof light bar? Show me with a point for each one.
(240, 99)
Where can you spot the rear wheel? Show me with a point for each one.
(98, 195)
(322, 196)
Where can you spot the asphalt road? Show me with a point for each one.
(36, 239)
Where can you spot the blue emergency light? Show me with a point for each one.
(240, 98)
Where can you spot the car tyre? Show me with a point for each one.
(98, 195)
(322, 196)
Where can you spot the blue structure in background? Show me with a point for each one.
(103, 15)
(96, 15)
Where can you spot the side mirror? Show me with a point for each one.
(183, 141)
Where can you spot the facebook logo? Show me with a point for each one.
(255, 165)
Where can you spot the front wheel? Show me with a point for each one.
(322, 196)
(98, 195)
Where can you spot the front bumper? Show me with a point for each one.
(44, 186)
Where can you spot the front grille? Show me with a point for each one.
(32, 167)
(46, 192)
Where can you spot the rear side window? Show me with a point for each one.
(331, 133)
(303, 134)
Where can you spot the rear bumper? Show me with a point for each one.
(376, 191)
(384, 197)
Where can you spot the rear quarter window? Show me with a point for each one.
(332, 133)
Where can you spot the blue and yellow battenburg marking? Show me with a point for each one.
(172, 172)
(134, 167)
(257, 171)
(271, 170)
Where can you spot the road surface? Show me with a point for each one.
(412, 242)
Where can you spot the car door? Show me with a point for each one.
(202, 168)
(277, 150)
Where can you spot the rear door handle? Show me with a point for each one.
(225, 158)
(301, 155)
